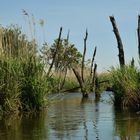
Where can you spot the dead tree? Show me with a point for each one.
(84, 85)
(93, 77)
(83, 57)
(55, 53)
(119, 41)
(92, 61)
(138, 32)
(97, 87)
(65, 68)
(132, 62)
(79, 79)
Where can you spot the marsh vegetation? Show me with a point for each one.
(29, 72)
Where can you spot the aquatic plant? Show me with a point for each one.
(125, 84)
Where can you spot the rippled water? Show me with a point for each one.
(72, 118)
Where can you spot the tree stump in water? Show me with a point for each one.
(97, 86)
(85, 95)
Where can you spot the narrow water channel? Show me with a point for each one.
(72, 118)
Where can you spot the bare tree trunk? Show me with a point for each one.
(92, 61)
(138, 32)
(93, 77)
(79, 79)
(63, 82)
(119, 41)
(83, 58)
(54, 56)
(97, 86)
(132, 62)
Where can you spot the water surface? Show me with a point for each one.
(72, 118)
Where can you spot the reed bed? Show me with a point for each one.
(23, 85)
(125, 84)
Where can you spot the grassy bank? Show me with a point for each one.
(23, 85)
(126, 84)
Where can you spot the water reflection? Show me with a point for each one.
(127, 125)
(73, 118)
(23, 127)
(94, 101)
(65, 118)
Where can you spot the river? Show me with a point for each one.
(69, 117)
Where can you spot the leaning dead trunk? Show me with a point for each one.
(81, 83)
(55, 53)
(119, 41)
(79, 79)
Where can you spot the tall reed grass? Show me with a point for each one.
(23, 84)
(126, 84)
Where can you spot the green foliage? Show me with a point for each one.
(86, 88)
(9, 84)
(104, 81)
(125, 83)
(71, 83)
(67, 54)
(23, 84)
(34, 85)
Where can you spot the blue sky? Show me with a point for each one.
(76, 16)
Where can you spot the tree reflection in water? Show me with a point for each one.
(95, 122)
(73, 118)
(127, 125)
(24, 127)
(64, 118)
(94, 101)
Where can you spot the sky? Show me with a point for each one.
(76, 16)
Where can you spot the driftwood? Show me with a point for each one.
(56, 50)
(138, 32)
(104, 81)
(72, 89)
(119, 41)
